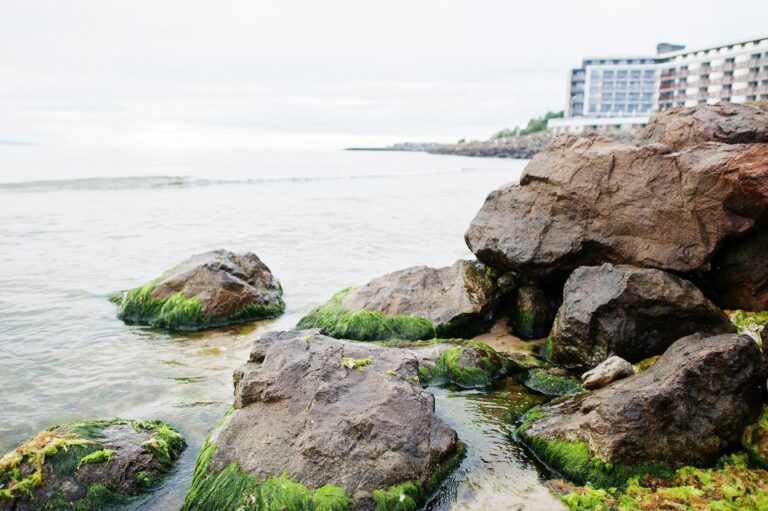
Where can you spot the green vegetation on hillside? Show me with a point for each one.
(534, 126)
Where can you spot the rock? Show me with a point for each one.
(206, 291)
(532, 314)
(415, 303)
(627, 311)
(729, 123)
(739, 274)
(588, 200)
(87, 465)
(608, 371)
(466, 366)
(550, 381)
(755, 440)
(687, 409)
(349, 419)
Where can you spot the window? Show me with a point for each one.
(634, 96)
(647, 96)
(592, 107)
(621, 74)
(702, 89)
(618, 107)
(605, 108)
(606, 96)
(634, 85)
(646, 107)
(649, 73)
(608, 85)
(648, 84)
(621, 96)
(635, 73)
(632, 107)
(621, 85)
(607, 74)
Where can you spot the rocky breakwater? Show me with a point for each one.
(207, 290)
(324, 424)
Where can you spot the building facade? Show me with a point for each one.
(609, 93)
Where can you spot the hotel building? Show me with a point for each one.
(608, 93)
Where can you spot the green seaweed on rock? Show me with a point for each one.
(755, 440)
(448, 369)
(750, 323)
(336, 321)
(550, 384)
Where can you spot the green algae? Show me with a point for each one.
(575, 460)
(732, 485)
(546, 352)
(750, 323)
(448, 369)
(352, 363)
(645, 364)
(755, 440)
(546, 382)
(179, 313)
(100, 456)
(402, 497)
(336, 321)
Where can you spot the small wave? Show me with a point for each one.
(143, 182)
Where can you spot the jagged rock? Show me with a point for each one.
(729, 123)
(627, 311)
(532, 315)
(587, 200)
(325, 412)
(688, 408)
(207, 290)
(739, 273)
(608, 371)
(415, 303)
(87, 465)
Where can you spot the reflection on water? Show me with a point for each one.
(496, 473)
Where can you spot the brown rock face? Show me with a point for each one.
(739, 274)
(299, 409)
(689, 408)
(588, 200)
(728, 123)
(631, 312)
(531, 316)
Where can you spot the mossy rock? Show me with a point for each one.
(733, 485)
(208, 290)
(551, 381)
(88, 465)
(471, 365)
(755, 440)
(417, 303)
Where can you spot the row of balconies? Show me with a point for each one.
(680, 73)
(749, 77)
(680, 96)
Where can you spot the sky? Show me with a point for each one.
(316, 74)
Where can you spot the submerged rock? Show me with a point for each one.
(532, 314)
(415, 303)
(588, 200)
(206, 291)
(550, 381)
(87, 465)
(739, 274)
(608, 371)
(631, 312)
(687, 409)
(729, 123)
(316, 416)
(474, 365)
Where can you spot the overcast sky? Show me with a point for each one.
(329, 73)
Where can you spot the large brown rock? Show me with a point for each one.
(631, 312)
(327, 411)
(729, 123)
(688, 408)
(739, 273)
(588, 200)
(207, 290)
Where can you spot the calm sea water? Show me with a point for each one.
(78, 225)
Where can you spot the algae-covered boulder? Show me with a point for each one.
(87, 465)
(415, 303)
(589, 200)
(687, 409)
(627, 311)
(208, 290)
(532, 315)
(473, 365)
(550, 381)
(755, 440)
(324, 424)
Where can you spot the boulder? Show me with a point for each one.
(474, 365)
(316, 416)
(687, 409)
(87, 465)
(588, 200)
(550, 381)
(415, 303)
(729, 123)
(627, 311)
(739, 273)
(532, 315)
(207, 290)
(608, 371)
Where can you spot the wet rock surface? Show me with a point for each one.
(415, 303)
(326, 411)
(611, 369)
(688, 408)
(207, 290)
(728, 123)
(631, 312)
(87, 465)
(589, 200)
(739, 274)
(532, 314)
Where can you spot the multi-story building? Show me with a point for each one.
(622, 92)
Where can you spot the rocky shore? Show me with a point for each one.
(620, 263)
